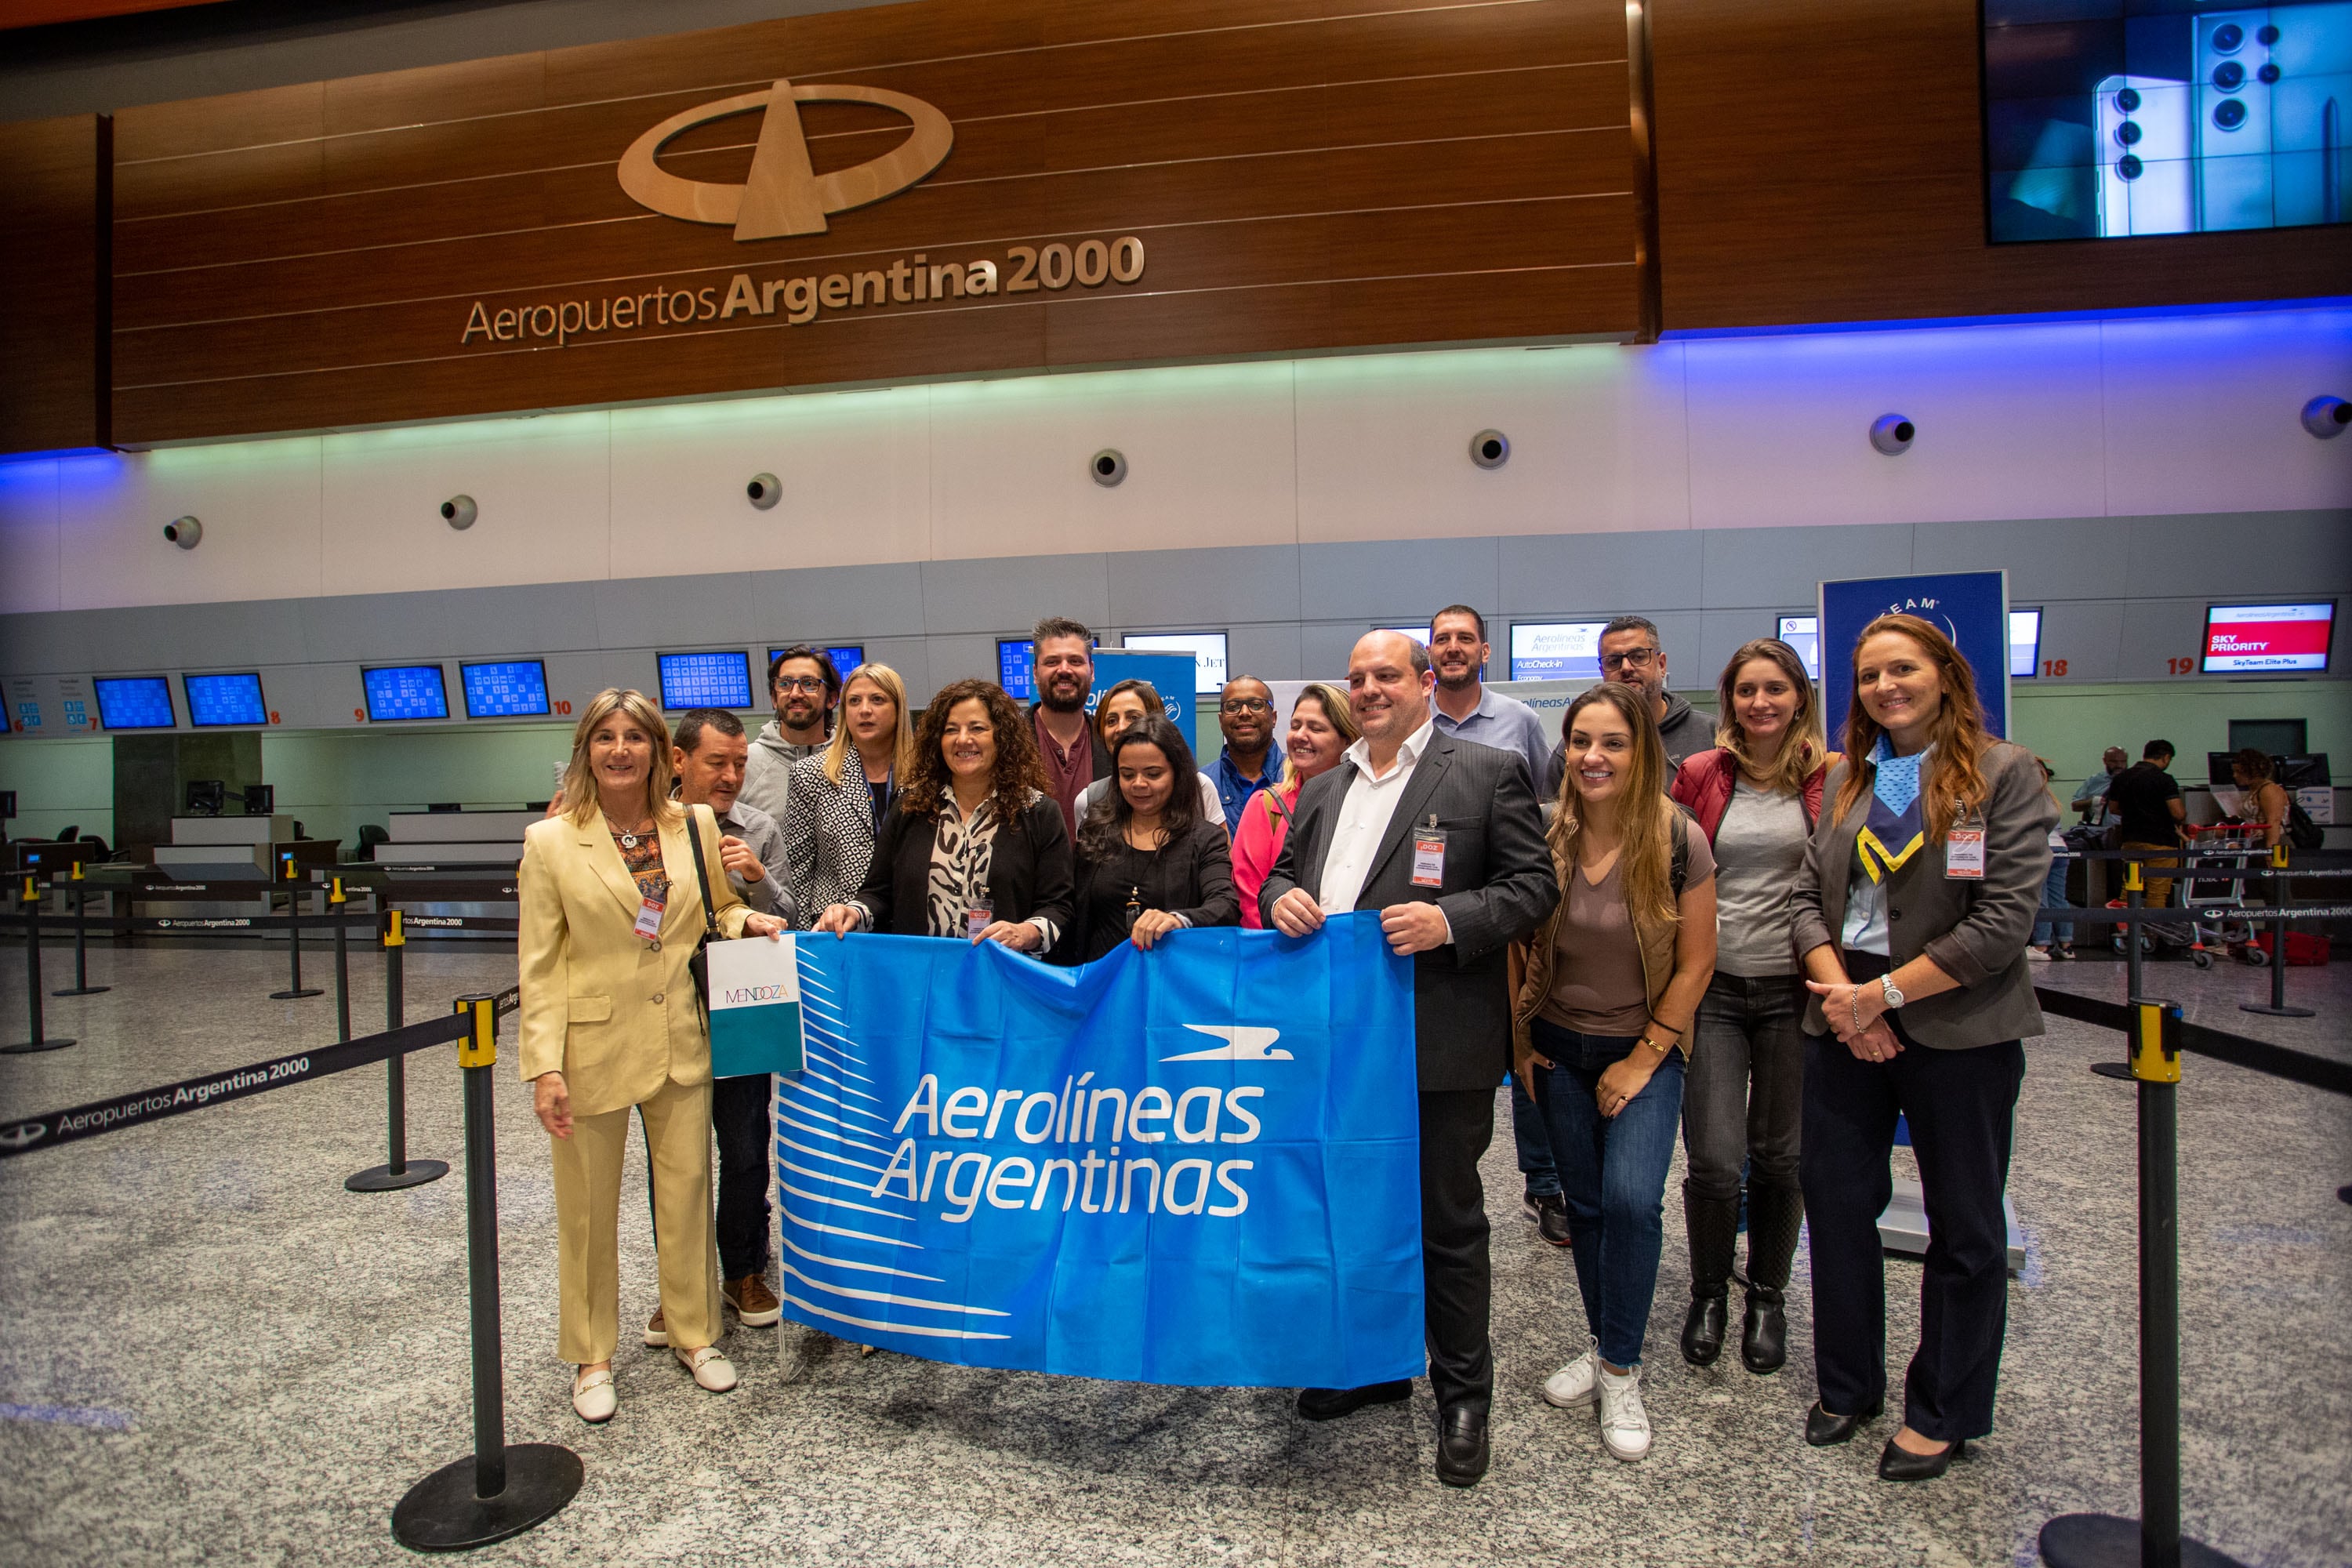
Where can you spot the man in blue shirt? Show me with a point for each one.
(1251, 760)
(1461, 706)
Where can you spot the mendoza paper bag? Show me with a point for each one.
(755, 1007)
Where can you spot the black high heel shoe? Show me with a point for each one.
(1900, 1464)
(1823, 1430)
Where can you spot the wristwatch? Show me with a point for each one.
(1888, 988)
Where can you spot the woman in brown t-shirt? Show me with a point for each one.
(1612, 981)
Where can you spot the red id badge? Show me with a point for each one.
(1428, 858)
(1964, 855)
(649, 917)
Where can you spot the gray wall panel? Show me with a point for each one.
(1396, 579)
(1324, 647)
(1188, 590)
(1270, 652)
(2155, 630)
(2239, 555)
(1766, 567)
(839, 603)
(1002, 597)
(715, 610)
(2088, 634)
(2059, 558)
(1574, 575)
(950, 658)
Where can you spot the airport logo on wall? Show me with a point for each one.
(783, 195)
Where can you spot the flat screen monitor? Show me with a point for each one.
(1802, 632)
(206, 796)
(406, 691)
(260, 800)
(2025, 644)
(512, 689)
(1016, 668)
(135, 702)
(706, 680)
(2153, 117)
(2304, 772)
(1207, 649)
(214, 700)
(2248, 639)
(1556, 650)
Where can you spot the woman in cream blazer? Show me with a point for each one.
(611, 915)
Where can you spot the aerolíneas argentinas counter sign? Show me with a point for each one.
(1197, 1166)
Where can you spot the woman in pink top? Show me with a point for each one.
(1322, 727)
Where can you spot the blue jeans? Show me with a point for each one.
(1533, 1146)
(2053, 897)
(1613, 1177)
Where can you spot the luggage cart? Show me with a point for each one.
(2215, 868)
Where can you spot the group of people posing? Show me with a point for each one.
(1656, 926)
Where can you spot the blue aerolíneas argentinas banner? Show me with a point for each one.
(1196, 1165)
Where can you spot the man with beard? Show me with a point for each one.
(1064, 658)
(1463, 707)
(1632, 653)
(1251, 760)
(803, 686)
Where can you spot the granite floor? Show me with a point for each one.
(218, 1354)
(2212, 997)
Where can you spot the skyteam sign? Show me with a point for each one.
(1196, 1165)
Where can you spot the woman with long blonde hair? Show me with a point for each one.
(1601, 1031)
(1322, 727)
(615, 895)
(834, 800)
(1913, 909)
(1756, 795)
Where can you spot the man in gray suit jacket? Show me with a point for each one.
(1442, 835)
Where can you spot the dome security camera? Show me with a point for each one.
(184, 531)
(764, 490)
(2326, 417)
(1892, 433)
(1490, 448)
(1108, 466)
(460, 512)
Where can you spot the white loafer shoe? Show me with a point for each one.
(712, 1371)
(593, 1397)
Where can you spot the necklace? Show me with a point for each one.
(629, 840)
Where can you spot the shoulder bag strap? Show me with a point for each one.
(702, 877)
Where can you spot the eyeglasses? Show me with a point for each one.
(1639, 657)
(801, 683)
(1245, 705)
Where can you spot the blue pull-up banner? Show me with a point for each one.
(1195, 1165)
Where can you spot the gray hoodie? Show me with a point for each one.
(1684, 731)
(765, 769)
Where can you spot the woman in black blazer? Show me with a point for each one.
(973, 846)
(1148, 861)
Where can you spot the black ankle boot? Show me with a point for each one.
(1775, 1214)
(1703, 1328)
(1764, 1333)
(1714, 1227)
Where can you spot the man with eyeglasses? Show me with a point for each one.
(1251, 760)
(1632, 655)
(803, 686)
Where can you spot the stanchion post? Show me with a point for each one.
(295, 988)
(2276, 1007)
(398, 1169)
(81, 985)
(335, 903)
(504, 1488)
(31, 905)
(2154, 1540)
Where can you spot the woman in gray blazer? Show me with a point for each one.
(1918, 895)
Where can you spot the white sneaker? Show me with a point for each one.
(1624, 1424)
(1571, 1385)
(2037, 955)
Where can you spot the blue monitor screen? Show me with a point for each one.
(406, 691)
(1016, 668)
(217, 699)
(137, 702)
(505, 690)
(705, 680)
(846, 657)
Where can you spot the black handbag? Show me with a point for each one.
(700, 964)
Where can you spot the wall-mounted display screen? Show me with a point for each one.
(705, 680)
(1207, 649)
(2025, 644)
(2111, 118)
(1802, 632)
(2255, 638)
(511, 689)
(1556, 650)
(1016, 668)
(135, 702)
(219, 700)
(406, 691)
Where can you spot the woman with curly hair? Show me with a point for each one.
(973, 846)
(1148, 862)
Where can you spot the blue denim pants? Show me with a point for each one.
(2053, 897)
(1613, 1177)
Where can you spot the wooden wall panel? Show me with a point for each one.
(52, 337)
(1331, 174)
(1823, 161)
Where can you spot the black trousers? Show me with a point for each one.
(1457, 1280)
(1961, 1106)
(739, 1116)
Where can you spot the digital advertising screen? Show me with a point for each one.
(1207, 649)
(2024, 643)
(135, 702)
(1802, 632)
(2255, 639)
(406, 691)
(221, 700)
(1556, 650)
(706, 680)
(513, 688)
(2111, 118)
(1016, 668)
